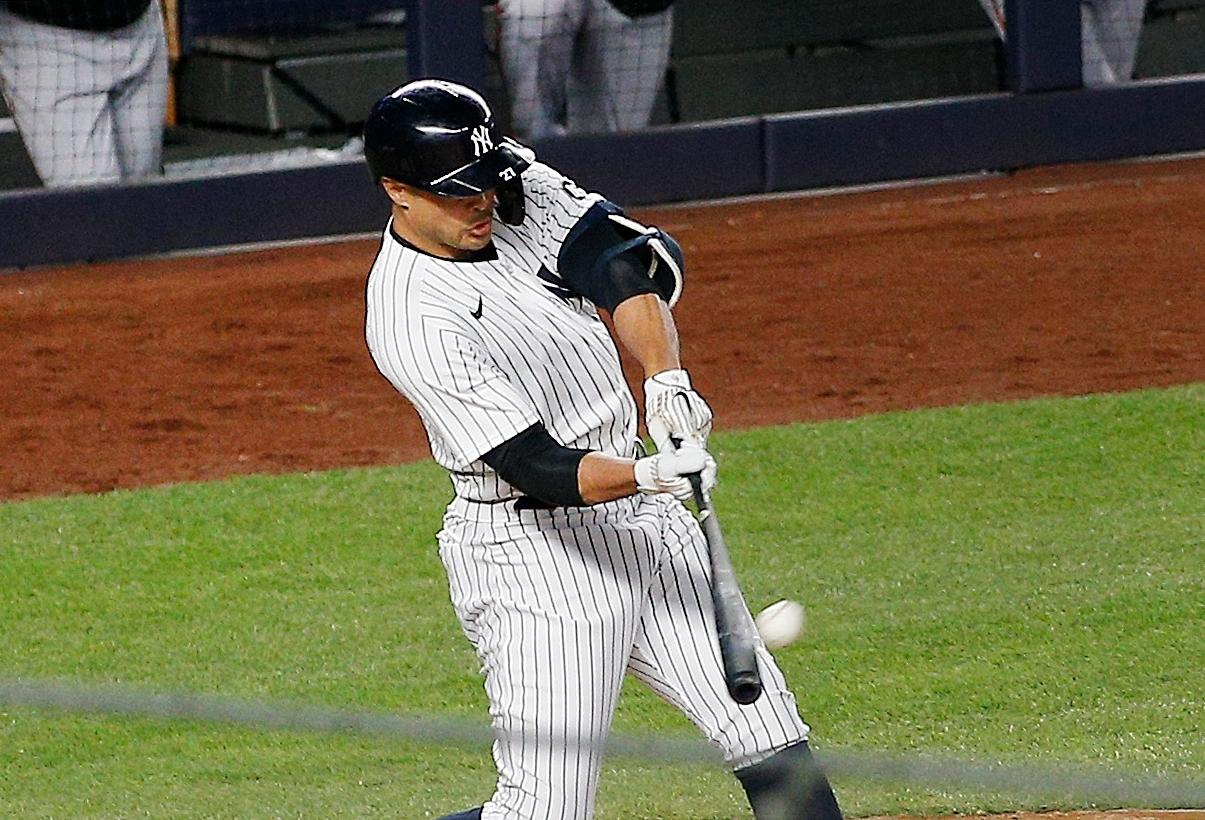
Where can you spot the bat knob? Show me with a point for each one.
(745, 689)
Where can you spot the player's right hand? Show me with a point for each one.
(667, 471)
(674, 411)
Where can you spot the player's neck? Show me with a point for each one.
(406, 232)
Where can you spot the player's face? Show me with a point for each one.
(453, 226)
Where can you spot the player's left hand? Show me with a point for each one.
(667, 471)
(674, 411)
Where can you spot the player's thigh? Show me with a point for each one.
(618, 69)
(60, 100)
(551, 611)
(537, 35)
(551, 617)
(553, 683)
(676, 653)
(139, 102)
(536, 43)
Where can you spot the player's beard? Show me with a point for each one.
(478, 235)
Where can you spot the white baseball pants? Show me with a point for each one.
(559, 604)
(89, 105)
(580, 66)
(1111, 30)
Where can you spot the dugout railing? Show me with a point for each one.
(1039, 115)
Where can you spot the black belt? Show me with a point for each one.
(523, 502)
(528, 503)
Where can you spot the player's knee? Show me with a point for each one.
(789, 785)
(778, 723)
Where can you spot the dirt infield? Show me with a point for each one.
(1051, 282)
(1058, 281)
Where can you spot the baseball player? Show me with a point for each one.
(1109, 35)
(1111, 30)
(87, 84)
(570, 559)
(583, 65)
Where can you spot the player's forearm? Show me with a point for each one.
(645, 328)
(604, 478)
(601, 477)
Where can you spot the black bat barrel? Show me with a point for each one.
(733, 627)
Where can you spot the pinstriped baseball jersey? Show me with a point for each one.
(484, 349)
(559, 604)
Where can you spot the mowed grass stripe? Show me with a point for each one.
(1019, 582)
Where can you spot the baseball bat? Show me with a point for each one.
(733, 626)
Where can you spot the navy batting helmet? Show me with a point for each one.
(441, 137)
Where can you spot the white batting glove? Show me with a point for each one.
(674, 411)
(667, 471)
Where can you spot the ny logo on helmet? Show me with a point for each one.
(482, 143)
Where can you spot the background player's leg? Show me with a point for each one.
(1111, 30)
(551, 615)
(139, 103)
(535, 49)
(57, 81)
(618, 69)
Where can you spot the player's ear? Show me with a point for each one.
(398, 193)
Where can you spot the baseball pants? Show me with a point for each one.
(580, 66)
(89, 105)
(559, 604)
(1111, 30)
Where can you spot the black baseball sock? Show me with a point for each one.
(789, 785)
(471, 814)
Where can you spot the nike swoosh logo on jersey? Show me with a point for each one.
(554, 284)
(476, 314)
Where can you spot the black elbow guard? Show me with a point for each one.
(608, 258)
(537, 465)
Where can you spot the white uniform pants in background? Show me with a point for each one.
(1111, 30)
(89, 105)
(559, 604)
(580, 66)
(1109, 34)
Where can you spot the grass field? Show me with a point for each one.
(1021, 582)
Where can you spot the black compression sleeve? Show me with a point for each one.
(626, 275)
(535, 463)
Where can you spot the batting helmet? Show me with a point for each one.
(441, 137)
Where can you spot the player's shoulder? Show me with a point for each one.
(541, 173)
(550, 185)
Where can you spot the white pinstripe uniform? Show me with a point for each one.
(581, 66)
(89, 104)
(558, 603)
(1109, 34)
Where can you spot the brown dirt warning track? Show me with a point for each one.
(1047, 282)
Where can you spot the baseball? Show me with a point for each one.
(781, 624)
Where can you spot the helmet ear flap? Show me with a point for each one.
(510, 206)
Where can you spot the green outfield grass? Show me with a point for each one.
(1020, 582)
